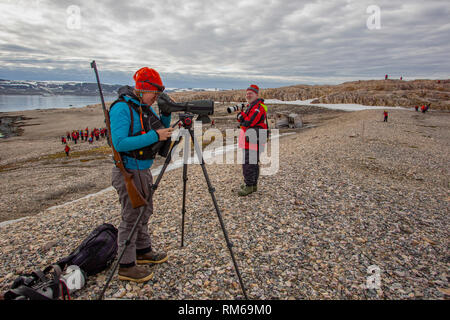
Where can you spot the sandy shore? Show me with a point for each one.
(353, 192)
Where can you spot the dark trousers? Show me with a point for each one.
(250, 167)
(385, 119)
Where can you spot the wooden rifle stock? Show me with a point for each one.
(136, 198)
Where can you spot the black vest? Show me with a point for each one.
(150, 122)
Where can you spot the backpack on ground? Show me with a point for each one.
(96, 252)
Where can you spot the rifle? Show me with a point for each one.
(136, 198)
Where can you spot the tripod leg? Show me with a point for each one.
(219, 215)
(183, 209)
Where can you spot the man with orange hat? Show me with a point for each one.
(135, 127)
(253, 122)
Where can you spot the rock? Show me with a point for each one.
(445, 291)
(418, 294)
(48, 246)
(430, 241)
(400, 273)
(406, 229)
(119, 294)
(129, 295)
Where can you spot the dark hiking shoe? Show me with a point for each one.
(246, 191)
(135, 274)
(151, 257)
(244, 185)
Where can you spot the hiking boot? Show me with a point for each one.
(244, 185)
(247, 190)
(151, 257)
(135, 274)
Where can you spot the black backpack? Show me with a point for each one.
(96, 252)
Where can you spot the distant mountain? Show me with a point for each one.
(20, 87)
(26, 87)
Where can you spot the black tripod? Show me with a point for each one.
(186, 121)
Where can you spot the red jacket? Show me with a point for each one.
(254, 117)
(67, 148)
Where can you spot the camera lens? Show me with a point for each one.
(232, 109)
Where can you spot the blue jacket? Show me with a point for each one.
(120, 120)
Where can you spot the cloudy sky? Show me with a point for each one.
(225, 44)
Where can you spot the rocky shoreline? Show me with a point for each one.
(350, 194)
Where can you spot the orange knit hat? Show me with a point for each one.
(148, 80)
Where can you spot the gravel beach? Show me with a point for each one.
(350, 194)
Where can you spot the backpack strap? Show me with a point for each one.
(121, 99)
(57, 271)
(38, 274)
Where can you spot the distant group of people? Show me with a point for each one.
(85, 135)
(423, 108)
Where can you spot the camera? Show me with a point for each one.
(203, 108)
(235, 108)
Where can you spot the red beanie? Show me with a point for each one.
(254, 88)
(148, 80)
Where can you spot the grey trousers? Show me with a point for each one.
(141, 238)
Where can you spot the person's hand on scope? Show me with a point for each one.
(164, 134)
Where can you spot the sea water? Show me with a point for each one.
(29, 102)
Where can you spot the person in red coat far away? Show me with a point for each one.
(417, 108)
(385, 116)
(385, 77)
(67, 149)
(401, 78)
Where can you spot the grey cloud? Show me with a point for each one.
(314, 40)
